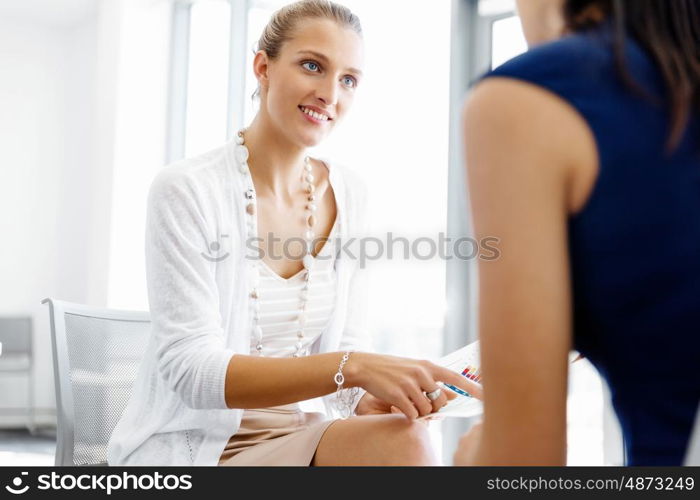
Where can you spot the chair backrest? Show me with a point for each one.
(16, 336)
(692, 456)
(96, 355)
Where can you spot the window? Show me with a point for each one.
(207, 84)
(138, 80)
(507, 40)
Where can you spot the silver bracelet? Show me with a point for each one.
(344, 398)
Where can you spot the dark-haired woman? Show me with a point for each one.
(583, 157)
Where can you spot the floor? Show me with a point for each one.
(18, 447)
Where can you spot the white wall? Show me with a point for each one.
(47, 206)
(82, 94)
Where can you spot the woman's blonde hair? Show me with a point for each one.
(281, 27)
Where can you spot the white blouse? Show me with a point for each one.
(200, 311)
(280, 300)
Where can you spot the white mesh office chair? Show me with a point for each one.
(17, 359)
(96, 355)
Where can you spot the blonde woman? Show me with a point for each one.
(240, 338)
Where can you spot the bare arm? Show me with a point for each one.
(523, 146)
(254, 382)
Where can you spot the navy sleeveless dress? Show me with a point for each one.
(635, 247)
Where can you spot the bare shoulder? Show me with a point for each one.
(536, 129)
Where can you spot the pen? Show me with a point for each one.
(472, 373)
(458, 390)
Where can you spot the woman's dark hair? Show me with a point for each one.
(670, 31)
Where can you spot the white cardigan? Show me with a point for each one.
(200, 312)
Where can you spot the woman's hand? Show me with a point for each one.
(403, 383)
(370, 405)
(468, 444)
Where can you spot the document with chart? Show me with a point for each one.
(464, 361)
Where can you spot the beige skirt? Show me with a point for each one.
(275, 436)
